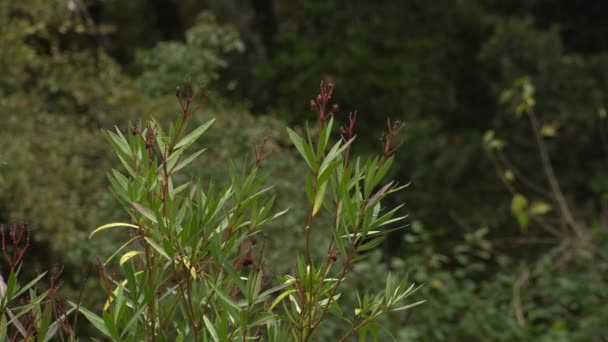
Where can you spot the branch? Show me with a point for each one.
(553, 182)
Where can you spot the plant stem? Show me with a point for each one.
(552, 179)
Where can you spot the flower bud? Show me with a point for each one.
(313, 105)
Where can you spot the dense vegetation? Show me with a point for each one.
(504, 142)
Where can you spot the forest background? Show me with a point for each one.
(505, 137)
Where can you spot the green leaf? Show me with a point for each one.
(119, 300)
(110, 325)
(370, 244)
(518, 206)
(211, 329)
(173, 158)
(281, 297)
(328, 171)
(95, 320)
(492, 143)
(191, 138)
(224, 297)
(309, 186)
(383, 169)
(121, 179)
(363, 333)
(147, 213)
(405, 307)
(180, 189)
(303, 148)
(374, 329)
(118, 142)
(188, 160)
(3, 326)
(158, 248)
(45, 322)
(324, 137)
(28, 285)
(127, 166)
(133, 321)
(319, 198)
(266, 318)
(359, 235)
(11, 284)
(334, 153)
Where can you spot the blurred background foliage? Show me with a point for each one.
(451, 70)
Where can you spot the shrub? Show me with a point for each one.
(194, 265)
(25, 313)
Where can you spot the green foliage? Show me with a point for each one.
(385, 63)
(24, 313)
(456, 72)
(201, 56)
(50, 111)
(194, 268)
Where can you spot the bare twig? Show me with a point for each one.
(521, 281)
(558, 195)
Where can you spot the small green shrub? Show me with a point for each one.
(194, 267)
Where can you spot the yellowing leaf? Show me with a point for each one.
(115, 291)
(519, 202)
(548, 131)
(518, 205)
(128, 256)
(112, 225)
(186, 263)
(539, 208)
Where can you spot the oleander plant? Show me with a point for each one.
(193, 267)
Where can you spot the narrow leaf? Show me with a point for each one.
(188, 160)
(320, 197)
(379, 193)
(401, 308)
(144, 211)
(28, 285)
(112, 225)
(158, 248)
(128, 256)
(211, 329)
(97, 321)
(190, 138)
(280, 298)
(303, 148)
